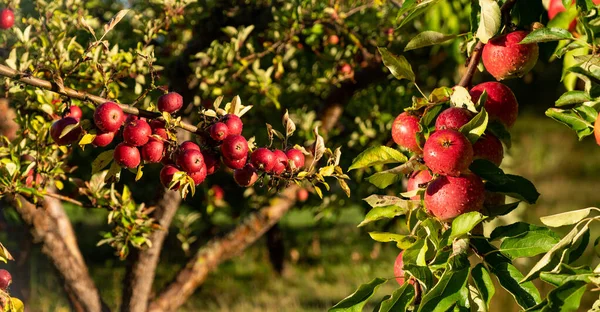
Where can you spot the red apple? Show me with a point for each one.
(302, 195)
(234, 124)
(70, 137)
(234, 147)
(102, 139)
(235, 164)
(158, 128)
(448, 197)
(504, 57)
(448, 152)
(263, 159)
(501, 104)
(453, 118)
(217, 192)
(199, 176)
(211, 160)
(296, 157)
(333, 39)
(399, 269)
(127, 156)
(152, 151)
(190, 160)
(5, 279)
(417, 178)
(489, 147)
(219, 131)
(404, 132)
(597, 130)
(346, 69)
(7, 19)
(189, 145)
(108, 117)
(137, 132)
(170, 102)
(166, 176)
(246, 176)
(281, 162)
(75, 112)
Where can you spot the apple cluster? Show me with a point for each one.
(148, 141)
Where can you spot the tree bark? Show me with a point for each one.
(50, 226)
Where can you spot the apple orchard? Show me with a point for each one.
(97, 115)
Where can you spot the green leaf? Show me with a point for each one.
(356, 301)
(489, 20)
(501, 210)
(514, 229)
(413, 8)
(500, 131)
(427, 38)
(377, 155)
(102, 161)
(416, 253)
(400, 300)
(430, 115)
(529, 244)
(572, 120)
(566, 273)
(499, 182)
(388, 177)
(546, 35)
(464, 223)
(573, 97)
(398, 65)
(422, 274)
(484, 284)
(389, 212)
(476, 126)
(447, 291)
(403, 241)
(564, 298)
(88, 138)
(566, 218)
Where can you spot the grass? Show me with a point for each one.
(316, 276)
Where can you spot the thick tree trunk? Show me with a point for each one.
(50, 226)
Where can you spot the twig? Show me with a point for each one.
(83, 96)
(505, 11)
(65, 198)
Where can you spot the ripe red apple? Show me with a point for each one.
(108, 117)
(417, 178)
(399, 269)
(246, 176)
(190, 160)
(166, 176)
(236, 163)
(152, 151)
(199, 175)
(333, 39)
(263, 159)
(281, 162)
(57, 128)
(217, 192)
(170, 102)
(501, 104)
(302, 195)
(75, 112)
(448, 197)
(189, 145)
(296, 157)
(453, 118)
(597, 130)
(448, 152)
(504, 57)
(102, 139)
(234, 147)
(404, 131)
(211, 160)
(346, 69)
(137, 132)
(126, 155)
(234, 124)
(219, 131)
(7, 19)
(489, 147)
(158, 128)
(5, 279)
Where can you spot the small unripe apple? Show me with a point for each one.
(189, 145)
(127, 156)
(246, 176)
(190, 160)
(417, 178)
(235, 164)
(234, 147)
(448, 197)
(199, 176)
(219, 131)
(166, 176)
(399, 269)
(158, 128)
(281, 162)
(152, 151)
(302, 195)
(102, 139)
(296, 157)
(7, 19)
(57, 128)
(489, 147)
(5, 279)
(109, 117)
(448, 152)
(75, 112)
(453, 118)
(504, 57)
(170, 102)
(263, 159)
(234, 124)
(501, 104)
(404, 131)
(137, 132)
(333, 39)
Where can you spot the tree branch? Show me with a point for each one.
(50, 225)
